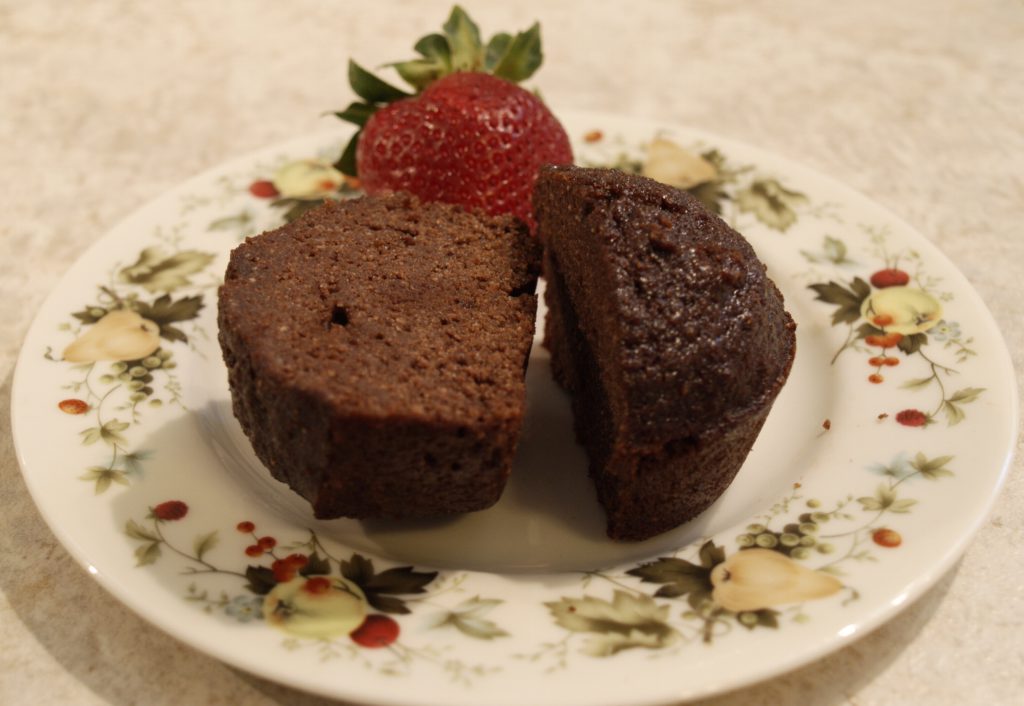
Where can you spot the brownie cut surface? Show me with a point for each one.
(376, 351)
(668, 334)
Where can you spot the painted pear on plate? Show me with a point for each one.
(904, 310)
(753, 579)
(670, 164)
(120, 335)
(317, 607)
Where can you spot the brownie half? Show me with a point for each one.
(376, 351)
(668, 334)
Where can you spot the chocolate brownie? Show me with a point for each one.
(668, 334)
(376, 351)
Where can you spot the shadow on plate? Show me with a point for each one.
(100, 644)
(547, 520)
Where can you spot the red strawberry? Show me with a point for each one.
(469, 136)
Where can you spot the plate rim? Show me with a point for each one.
(867, 620)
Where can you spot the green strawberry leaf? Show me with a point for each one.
(357, 113)
(497, 48)
(522, 57)
(464, 41)
(436, 48)
(370, 88)
(418, 73)
(346, 163)
(436, 62)
(459, 48)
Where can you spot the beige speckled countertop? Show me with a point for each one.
(104, 105)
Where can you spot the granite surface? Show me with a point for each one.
(104, 105)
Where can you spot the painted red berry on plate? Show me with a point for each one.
(297, 560)
(887, 340)
(283, 570)
(245, 527)
(73, 406)
(170, 510)
(912, 418)
(266, 543)
(254, 550)
(376, 631)
(890, 277)
(263, 189)
(317, 585)
(888, 538)
(876, 379)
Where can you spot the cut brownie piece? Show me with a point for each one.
(376, 351)
(665, 329)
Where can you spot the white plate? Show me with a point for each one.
(529, 602)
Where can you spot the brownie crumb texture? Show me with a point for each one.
(376, 351)
(668, 334)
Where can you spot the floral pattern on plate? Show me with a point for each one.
(121, 340)
(122, 354)
(794, 554)
(302, 589)
(894, 317)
